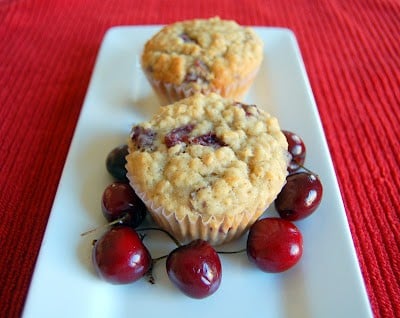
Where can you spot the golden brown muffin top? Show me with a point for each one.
(208, 155)
(203, 51)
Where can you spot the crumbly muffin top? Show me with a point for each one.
(208, 155)
(203, 52)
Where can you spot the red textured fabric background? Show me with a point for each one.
(351, 52)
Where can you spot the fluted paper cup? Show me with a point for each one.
(168, 93)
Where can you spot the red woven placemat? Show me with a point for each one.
(350, 49)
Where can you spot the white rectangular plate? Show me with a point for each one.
(326, 282)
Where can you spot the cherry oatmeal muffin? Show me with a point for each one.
(202, 55)
(207, 167)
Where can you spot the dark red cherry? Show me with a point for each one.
(300, 196)
(296, 148)
(250, 110)
(181, 135)
(119, 200)
(178, 135)
(115, 162)
(120, 256)
(209, 140)
(143, 138)
(274, 245)
(195, 269)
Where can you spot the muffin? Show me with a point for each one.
(207, 167)
(202, 55)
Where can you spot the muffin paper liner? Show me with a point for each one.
(168, 93)
(214, 230)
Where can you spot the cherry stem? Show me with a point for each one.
(306, 169)
(116, 221)
(159, 258)
(232, 252)
(149, 273)
(162, 230)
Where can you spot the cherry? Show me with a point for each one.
(195, 269)
(120, 256)
(115, 162)
(198, 72)
(297, 149)
(274, 244)
(247, 108)
(119, 201)
(181, 135)
(210, 140)
(143, 138)
(178, 135)
(300, 196)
